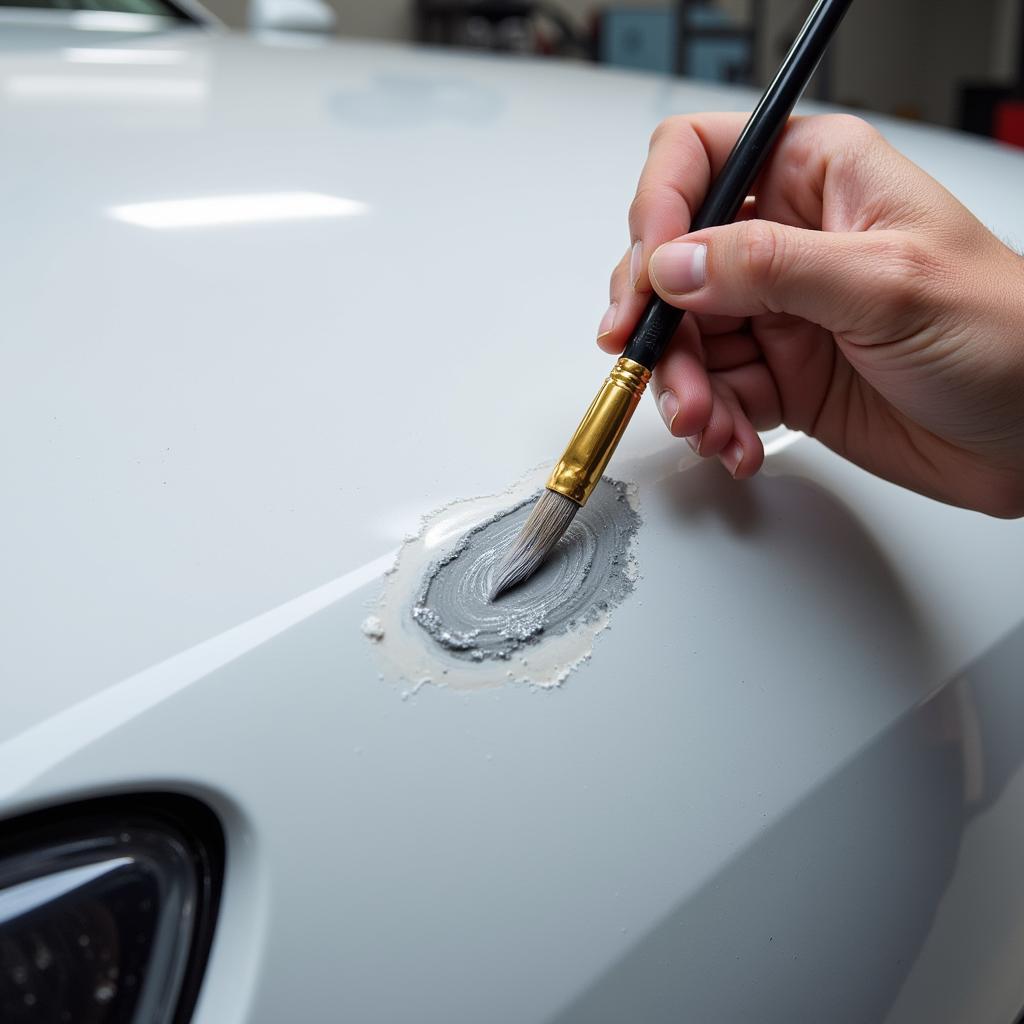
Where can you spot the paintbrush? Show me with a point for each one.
(578, 471)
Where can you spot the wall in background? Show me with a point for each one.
(374, 19)
(231, 12)
(908, 58)
(904, 58)
(1008, 34)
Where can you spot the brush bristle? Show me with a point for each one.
(549, 519)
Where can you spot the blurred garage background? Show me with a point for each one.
(958, 63)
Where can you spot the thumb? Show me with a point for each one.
(847, 282)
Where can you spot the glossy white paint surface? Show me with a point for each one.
(217, 426)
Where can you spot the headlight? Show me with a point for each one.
(107, 911)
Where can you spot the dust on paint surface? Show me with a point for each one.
(435, 623)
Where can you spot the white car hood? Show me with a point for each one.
(214, 438)
(201, 423)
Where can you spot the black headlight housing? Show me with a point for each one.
(107, 910)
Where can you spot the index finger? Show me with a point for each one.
(686, 153)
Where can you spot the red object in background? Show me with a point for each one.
(1008, 122)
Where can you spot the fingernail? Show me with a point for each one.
(679, 267)
(668, 406)
(608, 320)
(694, 442)
(636, 263)
(732, 457)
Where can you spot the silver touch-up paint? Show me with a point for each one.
(586, 574)
(438, 624)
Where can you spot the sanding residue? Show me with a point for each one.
(435, 623)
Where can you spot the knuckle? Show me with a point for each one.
(644, 201)
(668, 128)
(760, 253)
(855, 130)
(912, 273)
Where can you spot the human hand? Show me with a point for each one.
(855, 300)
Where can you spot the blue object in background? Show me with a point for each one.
(644, 38)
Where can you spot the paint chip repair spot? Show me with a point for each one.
(435, 617)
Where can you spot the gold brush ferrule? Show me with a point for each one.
(578, 470)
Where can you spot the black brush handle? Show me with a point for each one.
(731, 187)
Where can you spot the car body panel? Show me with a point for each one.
(788, 780)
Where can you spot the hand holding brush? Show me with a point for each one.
(860, 303)
(855, 300)
(576, 474)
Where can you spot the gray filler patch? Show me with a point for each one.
(588, 572)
